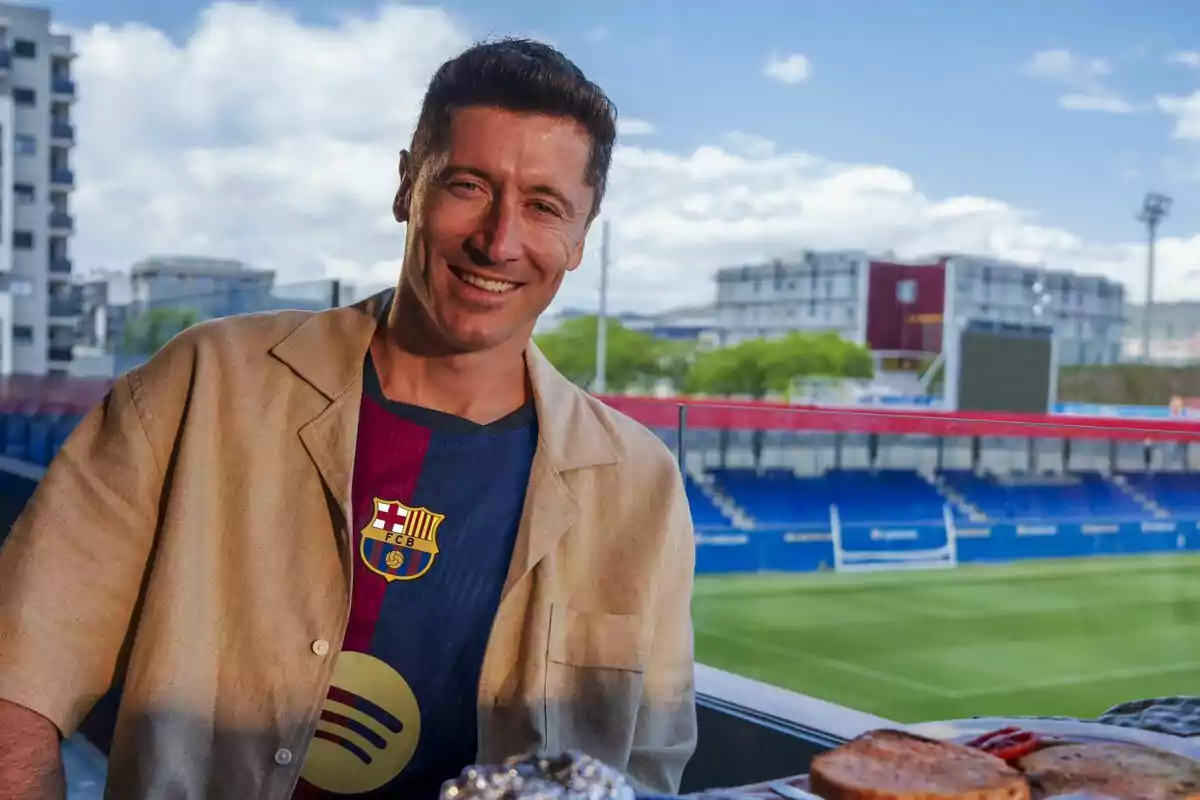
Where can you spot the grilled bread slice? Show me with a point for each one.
(893, 765)
(1123, 771)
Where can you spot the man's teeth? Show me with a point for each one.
(487, 284)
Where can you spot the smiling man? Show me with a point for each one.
(347, 554)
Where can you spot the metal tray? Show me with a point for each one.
(963, 730)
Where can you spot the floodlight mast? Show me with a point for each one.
(1155, 209)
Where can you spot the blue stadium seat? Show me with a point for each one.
(1177, 492)
(16, 433)
(705, 513)
(779, 497)
(1073, 497)
(41, 445)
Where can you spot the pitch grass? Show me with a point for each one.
(1071, 637)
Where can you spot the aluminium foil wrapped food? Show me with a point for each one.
(565, 776)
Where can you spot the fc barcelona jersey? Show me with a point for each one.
(436, 503)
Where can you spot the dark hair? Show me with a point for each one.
(518, 75)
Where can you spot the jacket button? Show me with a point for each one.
(320, 647)
(283, 756)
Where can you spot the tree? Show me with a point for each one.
(757, 367)
(150, 330)
(633, 358)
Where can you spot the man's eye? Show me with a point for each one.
(466, 186)
(545, 208)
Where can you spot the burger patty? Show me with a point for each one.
(1122, 771)
(892, 765)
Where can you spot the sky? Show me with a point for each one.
(1023, 130)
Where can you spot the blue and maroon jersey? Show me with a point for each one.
(436, 500)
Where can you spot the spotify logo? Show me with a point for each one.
(368, 730)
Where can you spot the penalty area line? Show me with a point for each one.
(835, 664)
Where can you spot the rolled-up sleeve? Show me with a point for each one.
(665, 737)
(72, 568)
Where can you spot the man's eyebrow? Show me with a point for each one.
(557, 195)
(450, 170)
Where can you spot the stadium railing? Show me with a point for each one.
(750, 730)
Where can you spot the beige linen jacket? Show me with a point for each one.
(191, 541)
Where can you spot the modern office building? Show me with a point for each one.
(1174, 333)
(213, 287)
(36, 181)
(807, 291)
(850, 293)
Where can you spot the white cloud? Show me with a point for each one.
(1186, 111)
(1096, 102)
(1186, 58)
(265, 139)
(1082, 75)
(790, 69)
(634, 127)
(597, 34)
(747, 144)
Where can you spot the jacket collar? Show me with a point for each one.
(327, 352)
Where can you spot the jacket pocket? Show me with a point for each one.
(595, 639)
(594, 682)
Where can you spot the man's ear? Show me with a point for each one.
(402, 205)
(577, 253)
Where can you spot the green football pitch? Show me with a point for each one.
(1036, 638)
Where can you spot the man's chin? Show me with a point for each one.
(474, 339)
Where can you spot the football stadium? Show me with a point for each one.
(917, 565)
(938, 565)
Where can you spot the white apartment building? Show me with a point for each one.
(1174, 333)
(828, 291)
(36, 181)
(808, 291)
(1087, 312)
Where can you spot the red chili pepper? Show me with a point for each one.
(1013, 745)
(981, 741)
(1019, 750)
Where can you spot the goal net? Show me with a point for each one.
(861, 547)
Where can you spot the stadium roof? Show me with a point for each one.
(749, 415)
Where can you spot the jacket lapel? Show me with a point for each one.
(327, 352)
(571, 436)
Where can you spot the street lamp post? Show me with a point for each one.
(598, 384)
(1155, 208)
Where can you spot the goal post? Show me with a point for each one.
(903, 547)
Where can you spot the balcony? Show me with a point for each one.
(62, 177)
(61, 308)
(63, 87)
(61, 221)
(60, 266)
(62, 131)
(5, 58)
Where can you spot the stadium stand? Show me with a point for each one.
(781, 498)
(705, 513)
(1175, 492)
(1077, 496)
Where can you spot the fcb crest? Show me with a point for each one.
(400, 542)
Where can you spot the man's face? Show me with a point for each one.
(494, 223)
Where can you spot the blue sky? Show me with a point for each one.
(940, 90)
(932, 87)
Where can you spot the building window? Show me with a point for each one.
(23, 334)
(24, 97)
(25, 145)
(22, 240)
(25, 193)
(23, 48)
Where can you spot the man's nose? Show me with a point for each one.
(499, 237)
